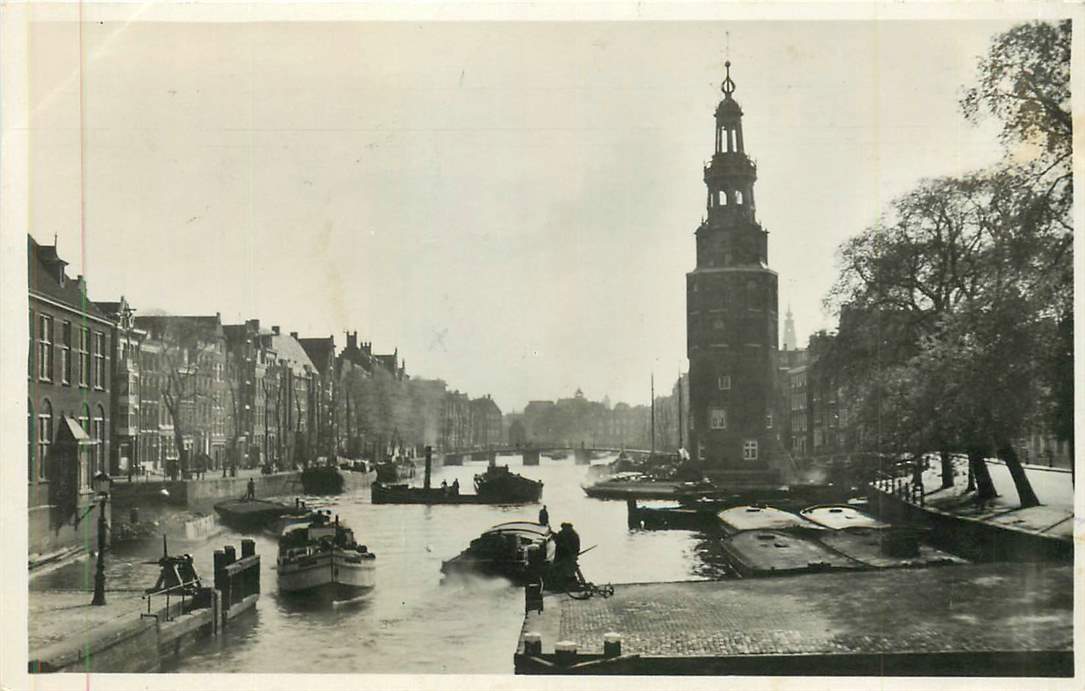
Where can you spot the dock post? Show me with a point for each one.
(533, 643)
(429, 465)
(220, 579)
(565, 653)
(533, 597)
(632, 515)
(231, 581)
(612, 644)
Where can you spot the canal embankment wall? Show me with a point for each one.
(974, 538)
(184, 509)
(200, 494)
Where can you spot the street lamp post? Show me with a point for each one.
(101, 484)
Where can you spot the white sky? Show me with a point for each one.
(512, 205)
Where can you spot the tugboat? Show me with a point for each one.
(520, 551)
(395, 471)
(321, 479)
(624, 463)
(319, 555)
(496, 486)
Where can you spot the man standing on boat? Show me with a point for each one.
(544, 516)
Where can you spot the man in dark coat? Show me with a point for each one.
(566, 551)
(544, 516)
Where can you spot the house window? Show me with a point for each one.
(99, 360)
(99, 436)
(31, 437)
(768, 421)
(717, 418)
(45, 347)
(84, 419)
(83, 355)
(749, 450)
(45, 435)
(724, 382)
(717, 324)
(66, 353)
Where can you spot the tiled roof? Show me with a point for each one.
(290, 350)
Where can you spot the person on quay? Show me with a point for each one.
(544, 516)
(456, 486)
(250, 491)
(566, 553)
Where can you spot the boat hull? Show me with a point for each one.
(331, 572)
(644, 490)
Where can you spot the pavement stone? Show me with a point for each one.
(56, 616)
(979, 607)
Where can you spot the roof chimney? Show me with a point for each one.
(275, 329)
(294, 335)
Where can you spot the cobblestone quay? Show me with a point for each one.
(976, 620)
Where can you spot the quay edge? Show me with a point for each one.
(846, 623)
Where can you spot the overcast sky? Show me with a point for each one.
(512, 205)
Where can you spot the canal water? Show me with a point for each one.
(413, 621)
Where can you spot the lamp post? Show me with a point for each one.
(101, 484)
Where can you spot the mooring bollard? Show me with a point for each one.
(532, 643)
(565, 653)
(612, 644)
(533, 597)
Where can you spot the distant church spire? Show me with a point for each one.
(789, 330)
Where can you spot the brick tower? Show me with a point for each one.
(731, 309)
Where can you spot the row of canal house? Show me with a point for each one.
(112, 391)
(818, 419)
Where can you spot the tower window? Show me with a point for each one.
(738, 197)
(724, 382)
(721, 198)
(768, 421)
(749, 450)
(717, 418)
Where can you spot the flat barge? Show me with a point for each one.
(250, 514)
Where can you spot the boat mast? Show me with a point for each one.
(653, 413)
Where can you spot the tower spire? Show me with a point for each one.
(728, 85)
